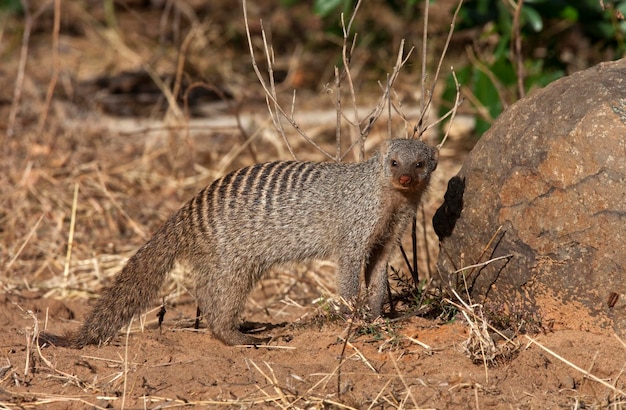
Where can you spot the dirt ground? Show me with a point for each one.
(415, 363)
(88, 173)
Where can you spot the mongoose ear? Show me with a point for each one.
(382, 150)
(434, 156)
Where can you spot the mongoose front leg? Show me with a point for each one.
(376, 278)
(348, 277)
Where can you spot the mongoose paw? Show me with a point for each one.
(237, 338)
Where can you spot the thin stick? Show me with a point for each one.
(416, 276)
(425, 239)
(27, 361)
(406, 260)
(19, 251)
(55, 65)
(270, 59)
(277, 388)
(19, 81)
(268, 347)
(493, 238)
(389, 104)
(426, 106)
(476, 398)
(424, 58)
(271, 96)
(452, 112)
(481, 264)
(342, 356)
(125, 365)
(271, 381)
(117, 205)
(417, 342)
(371, 118)
(406, 386)
(180, 66)
(338, 109)
(363, 358)
(345, 58)
(115, 40)
(572, 365)
(620, 340)
(465, 307)
(379, 394)
(516, 49)
(326, 378)
(70, 239)
(35, 342)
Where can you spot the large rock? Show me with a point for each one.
(546, 185)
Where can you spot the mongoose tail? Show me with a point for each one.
(131, 293)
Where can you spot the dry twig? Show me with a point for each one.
(579, 369)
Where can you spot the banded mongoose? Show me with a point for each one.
(239, 226)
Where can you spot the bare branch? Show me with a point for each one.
(345, 58)
(516, 49)
(426, 106)
(55, 65)
(452, 113)
(270, 91)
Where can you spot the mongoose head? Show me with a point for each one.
(408, 164)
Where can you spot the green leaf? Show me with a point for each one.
(324, 7)
(532, 17)
(487, 93)
(503, 70)
(569, 13)
(10, 6)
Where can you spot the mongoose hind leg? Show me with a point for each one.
(222, 301)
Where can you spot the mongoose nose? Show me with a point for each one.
(405, 180)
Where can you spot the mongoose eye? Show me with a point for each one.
(419, 164)
(394, 163)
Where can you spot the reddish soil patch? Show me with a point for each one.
(416, 363)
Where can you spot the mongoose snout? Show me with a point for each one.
(405, 180)
(238, 227)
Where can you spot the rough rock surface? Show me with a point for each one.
(547, 185)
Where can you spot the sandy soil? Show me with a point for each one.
(413, 363)
(131, 172)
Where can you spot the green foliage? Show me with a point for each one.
(10, 6)
(325, 8)
(490, 79)
(381, 331)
